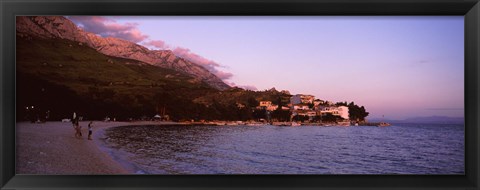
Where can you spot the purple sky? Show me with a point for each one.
(395, 66)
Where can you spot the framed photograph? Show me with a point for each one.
(239, 94)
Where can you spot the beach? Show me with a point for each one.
(145, 148)
(52, 148)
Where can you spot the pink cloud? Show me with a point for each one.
(109, 27)
(187, 54)
(223, 75)
(160, 44)
(105, 26)
(207, 63)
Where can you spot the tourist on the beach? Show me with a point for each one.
(75, 128)
(76, 125)
(90, 130)
(73, 119)
(78, 131)
(73, 123)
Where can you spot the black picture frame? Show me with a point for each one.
(10, 8)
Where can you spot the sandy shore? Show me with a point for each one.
(51, 148)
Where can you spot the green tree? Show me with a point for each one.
(252, 102)
(259, 114)
(356, 112)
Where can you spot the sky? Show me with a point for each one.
(396, 66)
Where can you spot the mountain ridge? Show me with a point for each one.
(62, 77)
(61, 27)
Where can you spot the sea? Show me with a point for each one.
(397, 149)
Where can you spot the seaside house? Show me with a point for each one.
(300, 107)
(311, 113)
(272, 107)
(341, 111)
(329, 109)
(265, 103)
(308, 113)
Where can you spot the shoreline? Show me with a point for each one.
(119, 156)
(51, 148)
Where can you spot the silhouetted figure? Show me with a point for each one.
(76, 125)
(90, 130)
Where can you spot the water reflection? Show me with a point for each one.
(419, 149)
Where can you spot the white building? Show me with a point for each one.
(341, 111)
(300, 107)
(311, 113)
(272, 107)
(308, 113)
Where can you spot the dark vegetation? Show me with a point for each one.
(356, 112)
(58, 77)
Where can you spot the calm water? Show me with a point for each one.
(398, 149)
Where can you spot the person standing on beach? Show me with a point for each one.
(73, 117)
(78, 131)
(74, 124)
(90, 130)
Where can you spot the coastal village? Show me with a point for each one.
(306, 109)
(302, 109)
(148, 111)
(89, 80)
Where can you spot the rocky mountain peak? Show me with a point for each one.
(61, 27)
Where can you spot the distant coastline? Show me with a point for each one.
(424, 120)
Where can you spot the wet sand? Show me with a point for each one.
(52, 148)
